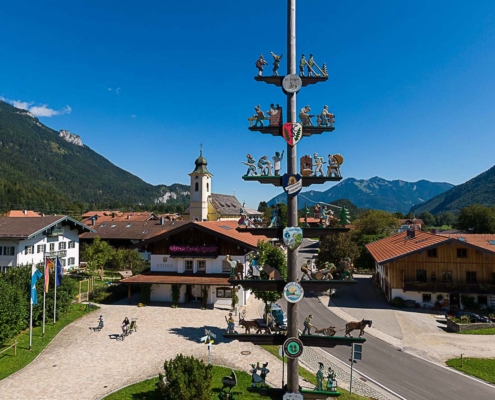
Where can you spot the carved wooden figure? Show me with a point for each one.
(273, 273)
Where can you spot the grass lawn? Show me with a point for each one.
(483, 368)
(487, 331)
(10, 363)
(147, 389)
(310, 376)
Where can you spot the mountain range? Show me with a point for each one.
(375, 193)
(50, 171)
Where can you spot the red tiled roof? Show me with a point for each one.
(228, 228)
(410, 221)
(399, 245)
(225, 228)
(22, 213)
(477, 240)
(160, 277)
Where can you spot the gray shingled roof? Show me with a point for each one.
(133, 230)
(226, 204)
(28, 227)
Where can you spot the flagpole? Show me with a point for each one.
(31, 324)
(44, 293)
(55, 295)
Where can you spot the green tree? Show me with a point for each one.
(276, 258)
(427, 218)
(97, 255)
(125, 259)
(446, 218)
(186, 378)
(335, 247)
(478, 218)
(262, 206)
(376, 222)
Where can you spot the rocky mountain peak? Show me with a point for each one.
(70, 137)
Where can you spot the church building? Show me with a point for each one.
(207, 206)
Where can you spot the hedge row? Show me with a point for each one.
(15, 300)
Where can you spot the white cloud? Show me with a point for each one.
(44, 111)
(40, 110)
(23, 105)
(116, 90)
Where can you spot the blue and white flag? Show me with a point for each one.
(35, 275)
(59, 272)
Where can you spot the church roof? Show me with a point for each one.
(201, 164)
(226, 204)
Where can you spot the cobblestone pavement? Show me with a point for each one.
(82, 364)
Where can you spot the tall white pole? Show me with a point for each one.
(31, 324)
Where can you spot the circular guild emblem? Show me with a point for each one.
(165, 259)
(293, 292)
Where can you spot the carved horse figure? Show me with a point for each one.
(349, 327)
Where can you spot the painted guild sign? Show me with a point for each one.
(293, 237)
(292, 184)
(293, 292)
(292, 132)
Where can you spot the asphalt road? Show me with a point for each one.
(409, 376)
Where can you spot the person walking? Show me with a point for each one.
(308, 325)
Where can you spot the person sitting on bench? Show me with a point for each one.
(125, 325)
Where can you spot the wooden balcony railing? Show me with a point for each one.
(475, 288)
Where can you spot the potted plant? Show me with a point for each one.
(438, 303)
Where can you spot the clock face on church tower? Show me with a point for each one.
(292, 83)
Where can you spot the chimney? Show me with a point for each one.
(42, 215)
(25, 212)
(93, 221)
(433, 230)
(128, 217)
(162, 221)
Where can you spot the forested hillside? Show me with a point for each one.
(479, 190)
(41, 171)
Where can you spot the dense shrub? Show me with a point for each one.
(398, 302)
(15, 300)
(186, 378)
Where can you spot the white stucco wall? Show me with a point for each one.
(21, 258)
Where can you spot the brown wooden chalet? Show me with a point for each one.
(418, 266)
(191, 255)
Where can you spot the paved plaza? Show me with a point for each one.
(82, 364)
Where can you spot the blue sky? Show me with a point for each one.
(411, 83)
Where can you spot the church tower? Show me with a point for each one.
(200, 190)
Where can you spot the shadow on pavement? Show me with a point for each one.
(194, 333)
(362, 295)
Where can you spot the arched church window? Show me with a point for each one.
(207, 187)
